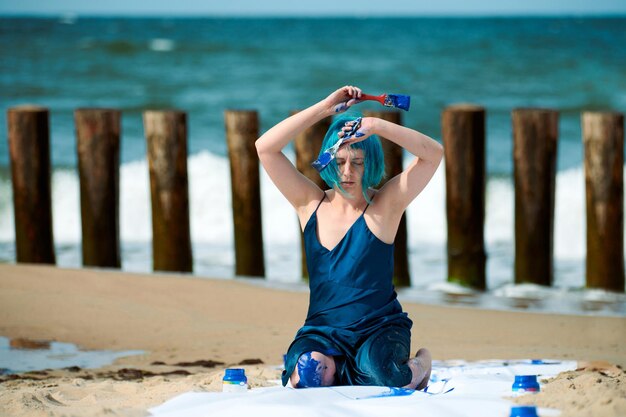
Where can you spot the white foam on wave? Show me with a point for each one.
(209, 200)
(162, 45)
(66, 207)
(135, 210)
(451, 288)
(210, 204)
(570, 215)
(527, 290)
(212, 224)
(68, 18)
(7, 225)
(426, 216)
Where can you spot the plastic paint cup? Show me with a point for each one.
(235, 380)
(524, 411)
(525, 383)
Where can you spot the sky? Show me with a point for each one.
(313, 8)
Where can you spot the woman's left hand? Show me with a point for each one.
(363, 132)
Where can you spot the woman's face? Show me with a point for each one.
(351, 165)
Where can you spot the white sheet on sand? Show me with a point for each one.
(456, 389)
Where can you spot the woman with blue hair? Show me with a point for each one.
(355, 332)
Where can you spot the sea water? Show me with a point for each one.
(53, 355)
(207, 65)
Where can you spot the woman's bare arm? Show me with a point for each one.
(298, 189)
(404, 187)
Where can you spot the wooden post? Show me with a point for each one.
(535, 133)
(463, 131)
(29, 149)
(98, 145)
(603, 137)
(166, 136)
(307, 146)
(242, 130)
(393, 166)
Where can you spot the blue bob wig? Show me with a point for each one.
(374, 158)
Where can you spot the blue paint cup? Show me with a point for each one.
(524, 411)
(235, 380)
(525, 383)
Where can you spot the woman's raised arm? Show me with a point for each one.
(298, 189)
(404, 187)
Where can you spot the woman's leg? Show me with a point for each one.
(384, 360)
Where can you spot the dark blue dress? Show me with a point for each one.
(353, 314)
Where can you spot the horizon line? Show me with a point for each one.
(312, 16)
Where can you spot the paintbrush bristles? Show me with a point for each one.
(398, 100)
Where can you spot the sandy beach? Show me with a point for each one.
(191, 328)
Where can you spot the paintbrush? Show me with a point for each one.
(329, 154)
(390, 100)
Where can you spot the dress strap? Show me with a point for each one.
(368, 204)
(320, 203)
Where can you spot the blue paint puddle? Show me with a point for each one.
(22, 355)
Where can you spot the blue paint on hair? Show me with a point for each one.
(374, 158)
(309, 371)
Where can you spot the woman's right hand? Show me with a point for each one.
(342, 99)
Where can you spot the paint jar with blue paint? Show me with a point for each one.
(235, 380)
(525, 384)
(524, 411)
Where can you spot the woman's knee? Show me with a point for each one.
(313, 369)
(390, 373)
(382, 359)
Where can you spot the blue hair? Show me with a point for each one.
(374, 158)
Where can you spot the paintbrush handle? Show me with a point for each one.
(380, 98)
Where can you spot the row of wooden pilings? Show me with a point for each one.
(535, 134)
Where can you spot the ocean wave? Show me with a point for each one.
(120, 47)
(68, 19)
(210, 207)
(212, 227)
(212, 224)
(526, 297)
(162, 45)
